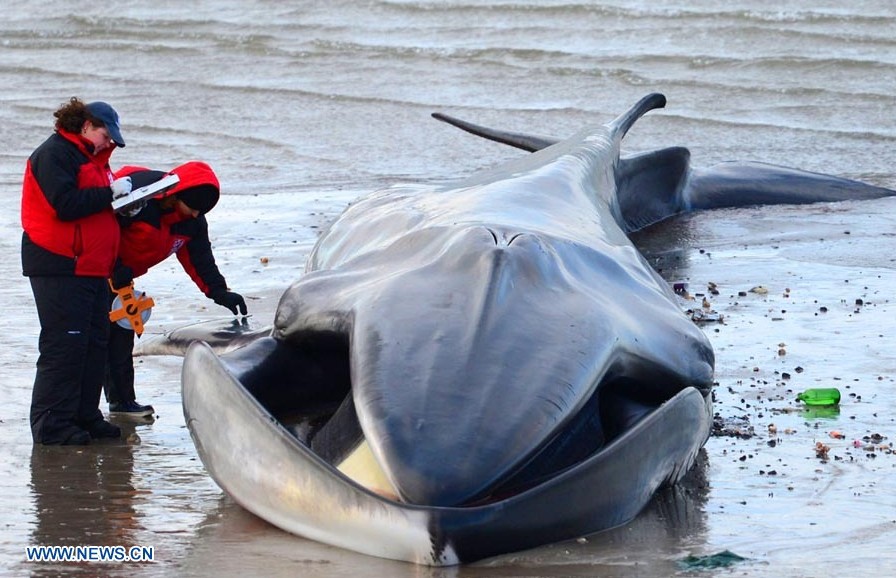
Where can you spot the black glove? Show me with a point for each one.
(122, 276)
(230, 300)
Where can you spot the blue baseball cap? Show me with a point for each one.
(104, 112)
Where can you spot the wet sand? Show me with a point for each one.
(763, 489)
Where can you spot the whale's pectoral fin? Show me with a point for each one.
(222, 335)
(532, 143)
(649, 186)
(739, 184)
(621, 125)
(526, 142)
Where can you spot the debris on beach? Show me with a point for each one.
(703, 316)
(735, 427)
(719, 560)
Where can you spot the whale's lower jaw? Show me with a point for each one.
(265, 467)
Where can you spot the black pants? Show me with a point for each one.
(74, 329)
(118, 382)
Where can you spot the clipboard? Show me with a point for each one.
(143, 193)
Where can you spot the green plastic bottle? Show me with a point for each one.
(820, 396)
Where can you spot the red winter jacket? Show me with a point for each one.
(154, 233)
(69, 227)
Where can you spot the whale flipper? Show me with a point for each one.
(739, 184)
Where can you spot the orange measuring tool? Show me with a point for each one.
(133, 309)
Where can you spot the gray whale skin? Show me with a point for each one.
(481, 367)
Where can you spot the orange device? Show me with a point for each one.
(130, 309)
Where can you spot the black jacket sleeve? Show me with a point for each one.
(197, 258)
(55, 167)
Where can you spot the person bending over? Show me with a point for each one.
(173, 224)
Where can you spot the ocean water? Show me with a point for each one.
(302, 106)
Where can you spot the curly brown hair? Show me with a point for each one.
(71, 116)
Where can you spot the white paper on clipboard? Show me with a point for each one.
(143, 193)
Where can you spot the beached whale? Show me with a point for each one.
(476, 368)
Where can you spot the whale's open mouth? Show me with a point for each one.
(274, 426)
(304, 383)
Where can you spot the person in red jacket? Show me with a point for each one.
(174, 224)
(69, 245)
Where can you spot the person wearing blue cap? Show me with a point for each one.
(70, 242)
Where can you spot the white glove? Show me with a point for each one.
(121, 187)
